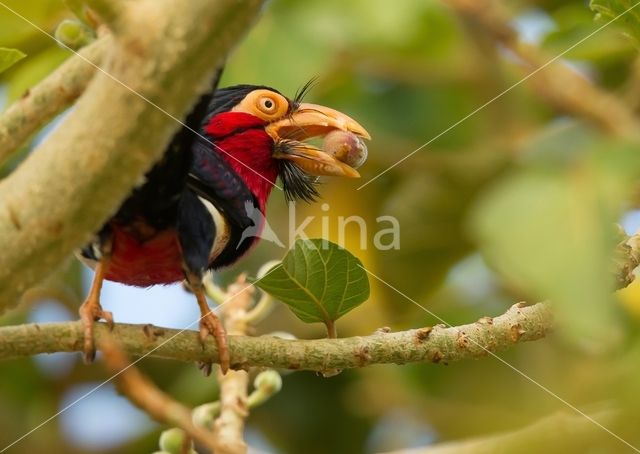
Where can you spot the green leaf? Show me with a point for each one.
(319, 280)
(9, 57)
(31, 71)
(624, 12)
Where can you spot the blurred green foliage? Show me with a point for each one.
(623, 10)
(9, 57)
(516, 202)
(517, 227)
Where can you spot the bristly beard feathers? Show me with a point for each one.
(296, 183)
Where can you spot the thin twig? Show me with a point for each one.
(141, 391)
(431, 344)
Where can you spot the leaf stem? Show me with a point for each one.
(332, 332)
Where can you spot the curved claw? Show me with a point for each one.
(107, 316)
(210, 324)
(90, 311)
(206, 368)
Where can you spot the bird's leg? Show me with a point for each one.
(91, 311)
(196, 233)
(210, 324)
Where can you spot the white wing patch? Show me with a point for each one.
(223, 232)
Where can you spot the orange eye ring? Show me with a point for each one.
(268, 105)
(265, 104)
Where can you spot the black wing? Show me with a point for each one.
(156, 200)
(211, 178)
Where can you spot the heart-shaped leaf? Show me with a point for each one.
(8, 57)
(319, 281)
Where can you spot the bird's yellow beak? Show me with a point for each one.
(308, 121)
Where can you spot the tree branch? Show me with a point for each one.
(50, 97)
(555, 81)
(109, 10)
(147, 396)
(626, 260)
(560, 432)
(438, 344)
(65, 191)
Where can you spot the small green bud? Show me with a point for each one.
(191, 451)
(268, 381)
(74, 34)
(172, 440)
(204, 415)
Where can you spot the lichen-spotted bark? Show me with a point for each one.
(437, 344)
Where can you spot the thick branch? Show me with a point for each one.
(166, 52)
(627, 259)
(50, 97)
(555, 81)
(109, 10)
(438, 344)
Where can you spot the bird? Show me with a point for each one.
(195, 210)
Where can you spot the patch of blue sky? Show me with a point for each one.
(103, 419)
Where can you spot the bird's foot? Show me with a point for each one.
(211, 324)
(91, 311)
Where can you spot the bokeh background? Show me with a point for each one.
(515, 203)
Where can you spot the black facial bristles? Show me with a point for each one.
(297, 184)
